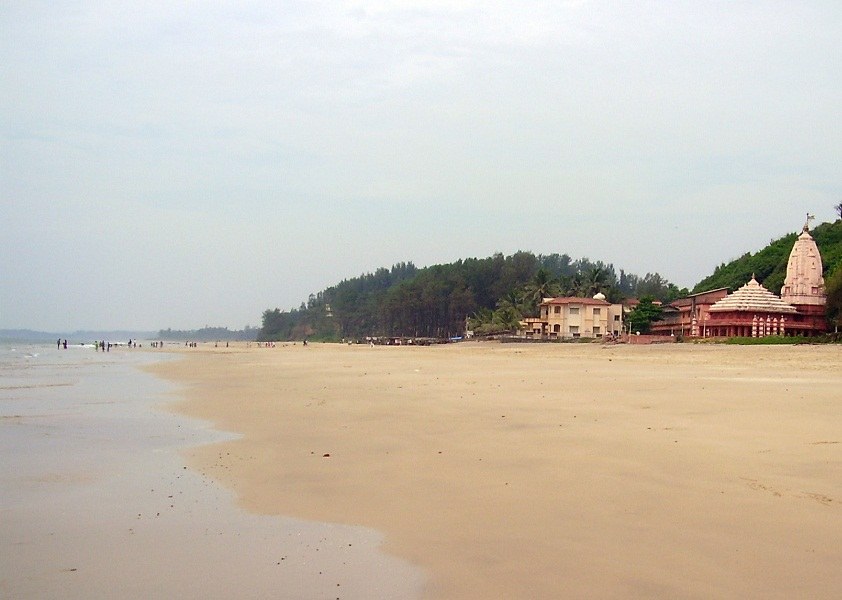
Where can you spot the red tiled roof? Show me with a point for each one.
(635, 301)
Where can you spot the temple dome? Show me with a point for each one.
(804, 283)
(753, 297)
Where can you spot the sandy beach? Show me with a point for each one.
(544, 471)
(97, 502)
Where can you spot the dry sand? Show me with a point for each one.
(546, 471)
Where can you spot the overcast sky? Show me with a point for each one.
(169, 164)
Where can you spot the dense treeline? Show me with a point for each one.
(769, 264)
(435, 301)
(493, 294)
(209, 334)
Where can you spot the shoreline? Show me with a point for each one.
(508, 470)
(97, 501)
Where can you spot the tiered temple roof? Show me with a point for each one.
(753, 297)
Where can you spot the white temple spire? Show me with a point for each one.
(804, 283)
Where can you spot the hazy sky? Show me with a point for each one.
(169, 164)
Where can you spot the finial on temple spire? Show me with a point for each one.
(807, 223)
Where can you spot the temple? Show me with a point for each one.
(804, 285)
(754, 311)
(751, 311)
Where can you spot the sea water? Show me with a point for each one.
(96, 502)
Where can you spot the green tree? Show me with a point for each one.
(593, 281)
(833, 288)
(508, 318)
(503, 320)
(542, 286)
(512, 301)
(480, 318)
(434, 301)
(641, 317)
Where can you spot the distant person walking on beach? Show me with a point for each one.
(58, 344)
(65, 344)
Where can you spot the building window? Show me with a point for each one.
(597, 331)
(574, 329)
(597, 312)
(556, 328)
(557, 310)
(616, 318)
(574, 310)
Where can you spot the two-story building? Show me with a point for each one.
(570, 317)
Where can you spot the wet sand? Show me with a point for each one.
(97, 502)
(546, 471)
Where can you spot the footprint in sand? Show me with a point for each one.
(821, 498)
(756, 485)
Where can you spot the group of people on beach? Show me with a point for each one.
(106, 346)
(270, 344)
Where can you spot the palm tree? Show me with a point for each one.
(594, 281)
(483, 316)
(511, 299)
(542, 286)
(507, 319)
(569, 284)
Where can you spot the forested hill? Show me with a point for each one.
(769, 264)
(435, 301)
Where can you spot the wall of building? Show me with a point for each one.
(572, 320)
